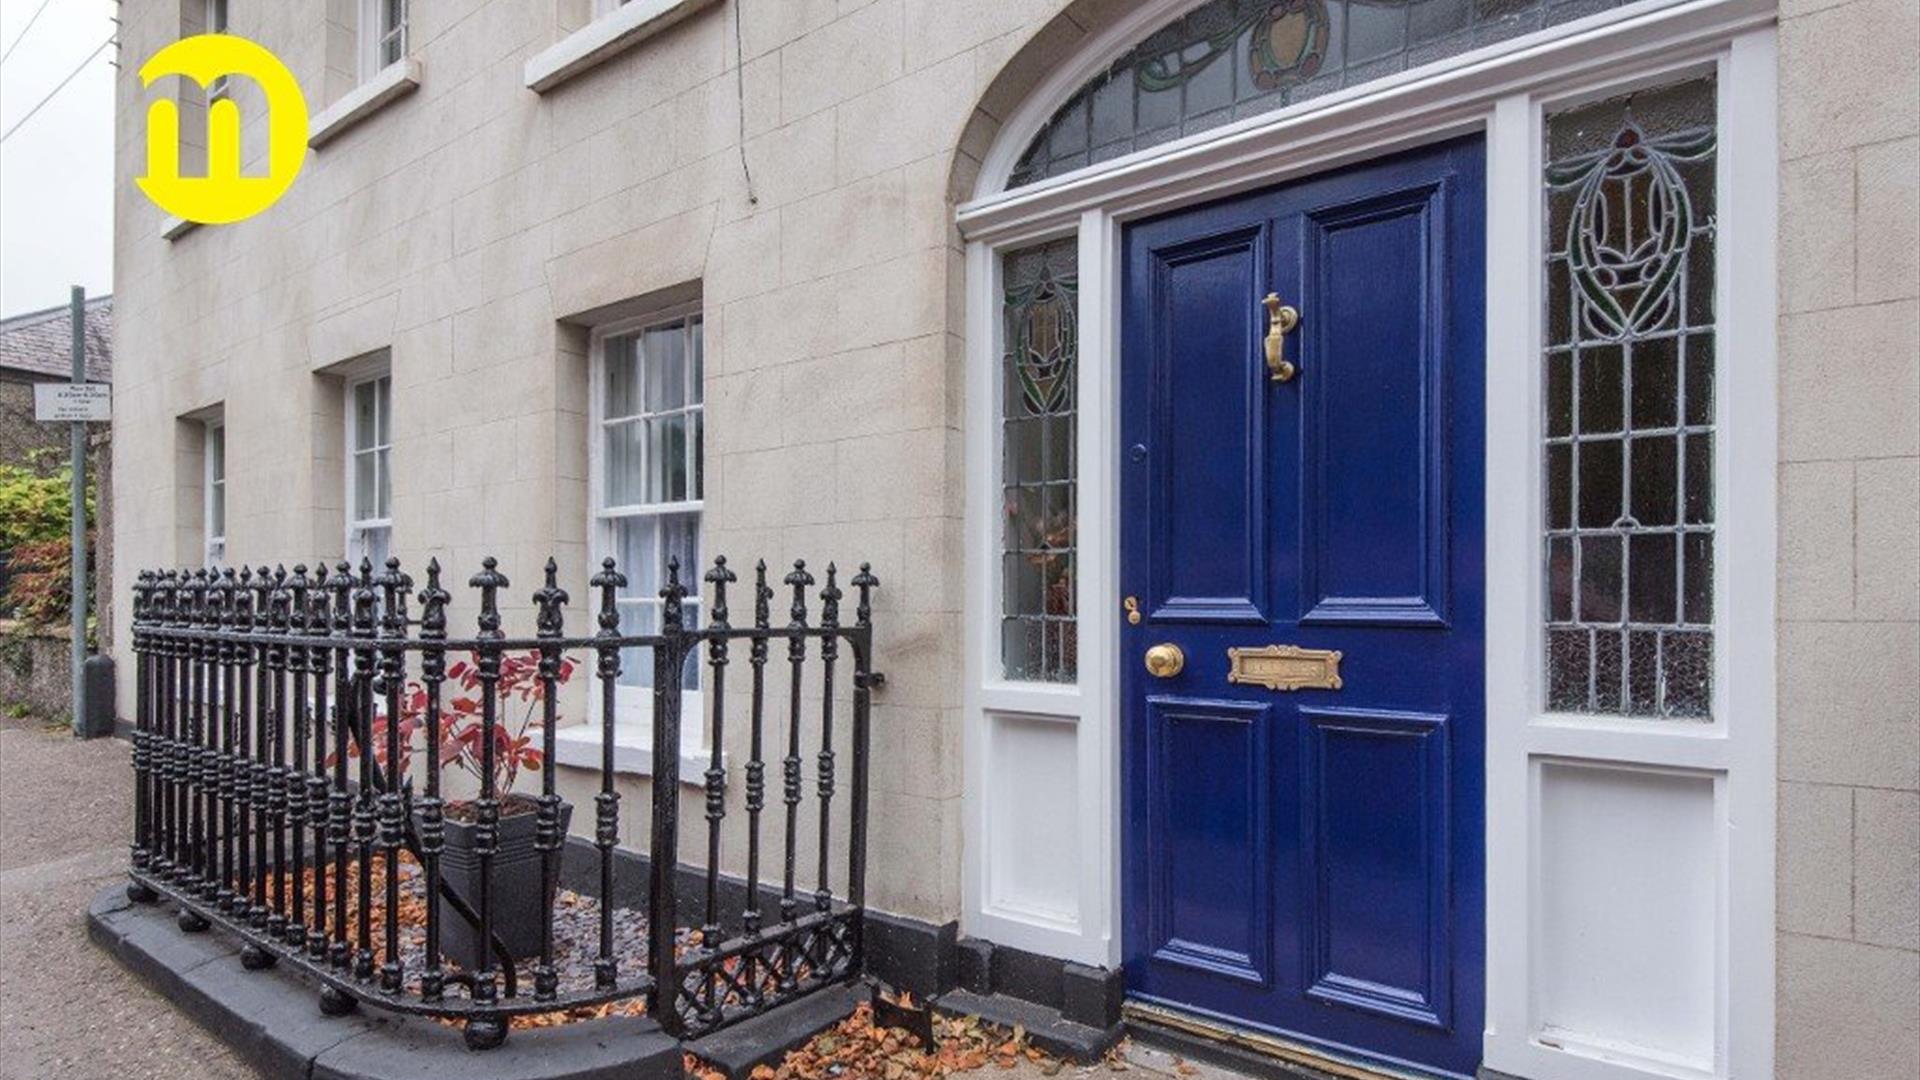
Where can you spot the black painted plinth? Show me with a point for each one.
(273, 1019)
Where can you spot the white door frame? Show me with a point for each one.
(1041, 871)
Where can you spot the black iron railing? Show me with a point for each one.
(276, 795)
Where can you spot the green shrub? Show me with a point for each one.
(35, 542)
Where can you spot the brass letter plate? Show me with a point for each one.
(1285, 667)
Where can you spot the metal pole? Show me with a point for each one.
(79, 496)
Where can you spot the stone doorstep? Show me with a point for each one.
(272, 1018)
(1045, 1027)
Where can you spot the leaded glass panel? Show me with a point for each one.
(1230, 59)
(1038, 475)
(1628, 384)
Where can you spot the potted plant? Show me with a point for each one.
(521, 897)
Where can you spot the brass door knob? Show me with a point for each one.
(1165, 660)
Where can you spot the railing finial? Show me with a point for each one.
(609, 581)
(830, 600)
(799, 579)
(433, 604)
(673, 595)
(866, 583)
(548, 602)
(719, 577)
(489, 581)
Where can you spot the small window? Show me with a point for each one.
(216, 23)
(369, 468)
(1039, 472)
(383, 34)
(1629, 392)
(647, 473)
(216, 493)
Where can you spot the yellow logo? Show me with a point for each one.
(223, 195)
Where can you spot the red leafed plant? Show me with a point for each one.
(462, 720)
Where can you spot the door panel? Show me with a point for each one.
(1373, 453)
(1309, 862)
(1219, 750)
(1377, 860)
(1209, 474)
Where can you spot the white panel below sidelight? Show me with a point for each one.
(1033, 859)
(1626, 917)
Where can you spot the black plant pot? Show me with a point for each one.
(521, 899)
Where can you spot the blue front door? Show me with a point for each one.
(1308, 861)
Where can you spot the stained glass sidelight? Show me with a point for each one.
(1229, 59)
(1038, 470)
(1629, 385)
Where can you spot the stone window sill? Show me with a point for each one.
(605, 37)
(579, 747)
(391, 83)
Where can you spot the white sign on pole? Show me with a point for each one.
(66, 402)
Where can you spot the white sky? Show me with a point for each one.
(56, 172)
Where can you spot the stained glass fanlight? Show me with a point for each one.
(1226, 60)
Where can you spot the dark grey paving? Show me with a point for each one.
(67, 1010)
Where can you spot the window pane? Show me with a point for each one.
(382, 409)
(1629, 192)
(364, 467)
(217, 453)
(383, 497)
(697, 363)
(363, 415)
(663, 351)
(623, 461)
(623, 389)
(667, 459)
(642, 545)
(216, 510)
(1038, 470)
(698, 454)
(1230, 59)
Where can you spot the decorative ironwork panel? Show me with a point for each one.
(1230, 59)
(1629, 384)
(290, 735)
(1039, 473)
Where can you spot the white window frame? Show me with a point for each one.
(633, 717)
(357, 528)
(1498, 90)
(212, 481)
(369, 38)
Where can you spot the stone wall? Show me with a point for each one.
(36, 678)
(1849, 812)
(20, 434)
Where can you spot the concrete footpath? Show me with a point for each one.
(67, 1010)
